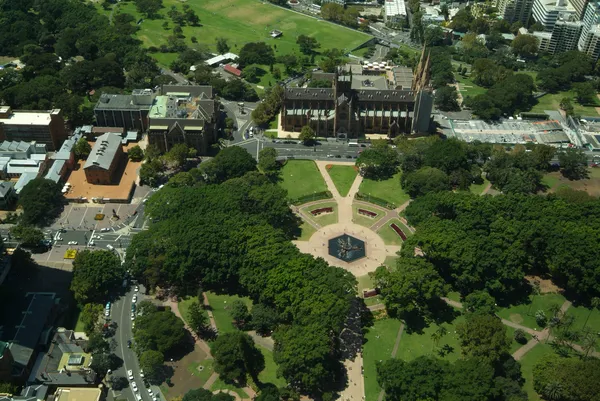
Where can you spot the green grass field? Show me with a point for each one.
(527, 363)
(204, 374)
(525, 314)
(413, 345)
(243, 21)
(477, 189)
(306, 231)
(221, 385)
(510, 332)
(220, 304)
(390, 261)
(364, 220)
(468, 87)
(301, 178)
(389, 236)
(388, 190)
(324, 219)
(551, 101)
(342, 177)
(379, 344)
(269, 374)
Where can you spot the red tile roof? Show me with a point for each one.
(232, 70)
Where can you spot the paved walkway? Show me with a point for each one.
(198, 341)
(211, 317)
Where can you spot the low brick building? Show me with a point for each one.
(104, 160)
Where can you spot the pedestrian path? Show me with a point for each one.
(394, 352)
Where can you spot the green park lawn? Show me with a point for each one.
(342, 177)
(364, 283)
(468, 87)
(184, 305)
(389, 236)
(301, 178)
(379, 343)
(477, 189)
(243, 21)
(205, 373)
(454, 296)
(413, 345)
(220, 303)
(390, 261)
(551, 101)
(510, 332)
(221, 385)
(364, 220)
(524, 314)
(554, 181)
(527, 363)
(269, 374)
(389, 190)
(324, 219)
(306, 231)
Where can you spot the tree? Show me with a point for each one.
(483, 336)
(525, 45)
(151, 171)
(239, 313)
(230, 162)
(198, 394)
(332, 12)
(41, 200)
(307, 44)
(236, 356)
(377, 163)
(149, 8)
(303, 355)
(157, 330)
(28, 236)
(424, 181)
(82, 148)
(118, 382)
(264, 318)
(95, 275)
(420, 379)
(191, 17)
(196, 318)
(557, 378)
(267, 162)
(97, 344)
(90, 316)
(412, 290)
(222, 45)
(567, 105)
(307, 135)
(256, 53)
(151, 362)
(269, 393)
(520, 336)
(480, 302)
(585, 92)
(178, 154)
(152, 153)
(135, 154)
(573, 164)
(446, 98)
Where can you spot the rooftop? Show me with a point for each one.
(24, 179)
(395, 7)
(368, 82)
(77, 394)
(509, 131)
(27, 118)
(104, 151)
(5, 188)
(221, 58)
(119, 102)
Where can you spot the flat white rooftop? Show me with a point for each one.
(395, 7)
(27, 118)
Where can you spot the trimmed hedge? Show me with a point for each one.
(375, 200)
(312, 197)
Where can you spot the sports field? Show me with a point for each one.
(243, 21)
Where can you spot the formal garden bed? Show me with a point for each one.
(398, 231)
(327, 216)
(322, 210)
(364, 219)
(367, 213)
(391, 236)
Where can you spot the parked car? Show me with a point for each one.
(134, 386)
(105, 229)
(134, 299)
(130, 374)
(137, 288)
(72, 242)
(128, 343)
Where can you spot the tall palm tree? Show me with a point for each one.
(553, 391)
(437, 335)
(595, 304)
(589, 344)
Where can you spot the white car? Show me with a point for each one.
(134, 386)
(130, 374)
(107, 313)
(142, 376)
(72, 242)
(134, 299)
(138, 397)
(137, 288)
(92, 243)
(150, 392)
(132, 316)
(105, 229)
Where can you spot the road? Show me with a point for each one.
(323, 151)
(121, 313)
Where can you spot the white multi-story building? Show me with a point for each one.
(515, 10)
(589, 33)
(546, 12)
(591, 43)
(395, 11)
(565, 35)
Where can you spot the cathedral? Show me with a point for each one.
(372, 98)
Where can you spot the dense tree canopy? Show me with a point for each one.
(568, 379)
(236, 357)
(41, 201)
(377, 162)
(230, 162)
(157, 330)
(95, 274)
(491, 243)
